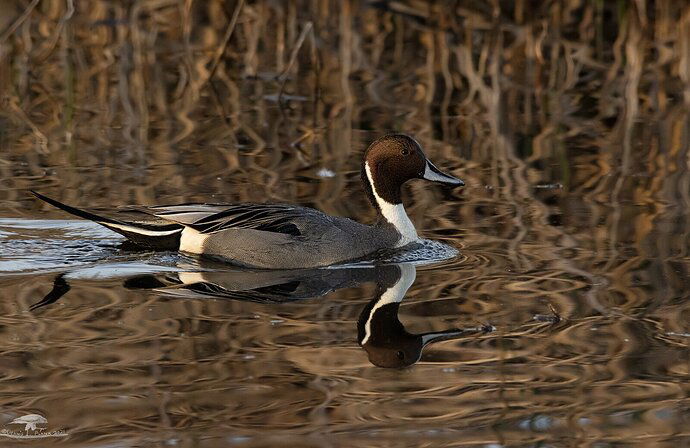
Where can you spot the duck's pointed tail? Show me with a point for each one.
(154, 235)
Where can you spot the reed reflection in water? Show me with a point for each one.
(568, 121)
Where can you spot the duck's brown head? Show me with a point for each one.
(392, 160)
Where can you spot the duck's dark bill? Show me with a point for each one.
(435, 175)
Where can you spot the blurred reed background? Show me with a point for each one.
(567, 119)
(507, 84)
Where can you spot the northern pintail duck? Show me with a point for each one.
(281, 236)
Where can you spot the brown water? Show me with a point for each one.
(569, 123)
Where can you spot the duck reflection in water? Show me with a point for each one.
(380, 332)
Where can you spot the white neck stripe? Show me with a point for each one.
(394, 214)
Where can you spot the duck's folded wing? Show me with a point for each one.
(278, 218)
(185, 214)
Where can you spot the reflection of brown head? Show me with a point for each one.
(388, 343)
(380, 331)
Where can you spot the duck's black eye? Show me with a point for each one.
(405, 151)
(400, 354)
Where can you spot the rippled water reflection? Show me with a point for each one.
(568, 122)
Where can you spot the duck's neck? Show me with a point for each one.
(392, 212)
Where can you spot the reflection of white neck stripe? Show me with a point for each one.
(393, 294)
(394, 214)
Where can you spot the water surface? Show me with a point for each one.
(571, 235)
